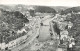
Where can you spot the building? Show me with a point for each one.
(70, 25)
(13, 43)
(64, 34)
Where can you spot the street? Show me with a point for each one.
(32, 34)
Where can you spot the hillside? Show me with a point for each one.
(10, 23)
(44, 9)
(70, 10)
(59, 8)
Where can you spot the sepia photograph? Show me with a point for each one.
(39, 25)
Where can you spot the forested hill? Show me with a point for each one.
(60, 8)
(11, 22)
(75, 19)
(70, 10)
(44, 9)
(13, 17)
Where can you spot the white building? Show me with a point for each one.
(70, 25)
(64, 34)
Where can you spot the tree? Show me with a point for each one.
(10, 22)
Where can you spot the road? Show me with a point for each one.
(59, 49)
(22, 45)
(33, 35)
(29, 40)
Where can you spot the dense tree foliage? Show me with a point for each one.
(70, 10)
(10, 22)
(75, 19)
(75, 30)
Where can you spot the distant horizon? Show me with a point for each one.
(36, 5)
(67, 3)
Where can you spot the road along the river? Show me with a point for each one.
(33, 35)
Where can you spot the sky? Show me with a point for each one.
(70, 3)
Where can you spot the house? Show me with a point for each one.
(21, 31)
(63, 34)
(3, 45)
(70, 25)
(15, 42)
